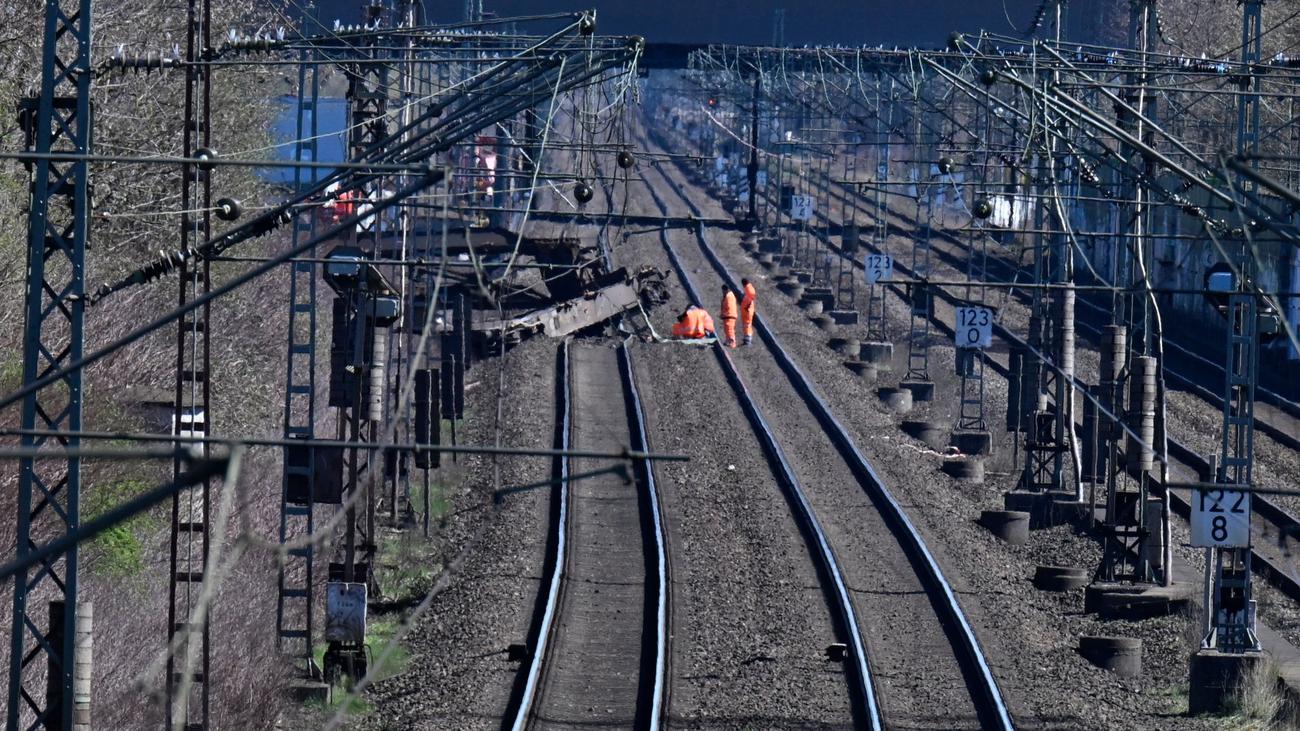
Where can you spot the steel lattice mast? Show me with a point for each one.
(48, 494)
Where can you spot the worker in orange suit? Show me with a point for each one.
(693, 323)
(730, 312)
(747, 305)
(687, 324)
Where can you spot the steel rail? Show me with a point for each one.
(659, 691)
(989, 694)
(654, 718)
(547, 625)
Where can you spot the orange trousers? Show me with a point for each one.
(729, 328)
(747, 320)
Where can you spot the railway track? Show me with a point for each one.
(1276, 523)
(907, 625)
(799, 548)
(600, 644)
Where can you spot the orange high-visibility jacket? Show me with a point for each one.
(706, 322)
(696, 325)
(729, 305)
(748, 302)
(685, 328)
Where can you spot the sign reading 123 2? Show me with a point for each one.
(880, 268)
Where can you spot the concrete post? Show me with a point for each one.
(82, 666)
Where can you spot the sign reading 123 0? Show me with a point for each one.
(974, 327)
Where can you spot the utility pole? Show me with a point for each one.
(1041, 480)
(753, 147)
(473, 11)
(48, 504)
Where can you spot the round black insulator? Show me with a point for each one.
(583, 193)
(229, 209)
(636, 43)
(625, 159)
(587, 25)
(988, 77)
(955, 40)
(205, 153)
(945, 165)
(982, 209)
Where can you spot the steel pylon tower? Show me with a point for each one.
(877, 322)
(1126, 555)
(970, 361)
(473, 11)
(1231, 620)
(296, 584)
(367, 97)
(1048, 394)
(922, 298)
(48, 495)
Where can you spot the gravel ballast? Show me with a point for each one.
(458, 675)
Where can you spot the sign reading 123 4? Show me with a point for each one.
(1220, 518)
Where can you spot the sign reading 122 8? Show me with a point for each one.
(1221, 518)
(974, 327)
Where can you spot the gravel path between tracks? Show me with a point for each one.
(458, 675)
(749, 619)
(1029, 636)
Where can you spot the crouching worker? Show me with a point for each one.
(693, 323)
